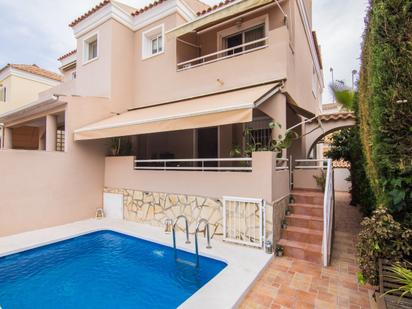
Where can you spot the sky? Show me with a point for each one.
(37, 32)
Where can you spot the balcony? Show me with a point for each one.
(235, 51)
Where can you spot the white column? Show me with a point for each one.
(51, 132)
(7, 138)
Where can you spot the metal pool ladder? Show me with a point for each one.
(174, 231)
(196, 239)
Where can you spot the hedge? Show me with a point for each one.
(385, 104)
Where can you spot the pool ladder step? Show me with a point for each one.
(207, 230)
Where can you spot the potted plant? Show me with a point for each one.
(402, 280)
(279, 250)
(284, 224)
(288, 211)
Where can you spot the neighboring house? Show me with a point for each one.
(19, 85)
(180, 81)
(22, 83)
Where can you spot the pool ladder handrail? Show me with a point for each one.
(174, 230)
(208, 246)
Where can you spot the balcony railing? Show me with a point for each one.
(215, 164)
(281, 164)
(310, 164)
(223, 54)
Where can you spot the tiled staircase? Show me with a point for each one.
(302, 238)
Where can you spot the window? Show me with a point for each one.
(260, 132)
(60, 140)
(244, 37)
(3, 94)
(157, 45)
(90, 48)
(153, 42)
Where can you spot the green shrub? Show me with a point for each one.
(381, 237)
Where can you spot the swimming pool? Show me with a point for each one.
(102, 269)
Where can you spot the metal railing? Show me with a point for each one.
(310, 163)
(281, 164)
(244, 221)
(223, 54)
(210, 164)
(326, 165)
(328, 213)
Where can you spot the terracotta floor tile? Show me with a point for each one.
(290, 283)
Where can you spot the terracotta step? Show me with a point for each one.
(309, 222)
(302, 234)
(307, 209)
(307, 197)
(301, 250)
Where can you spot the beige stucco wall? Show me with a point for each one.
(340, 176)
(40, 189)
(121, 74)
(94, 78)
(304, 178)
(300, 64)
(119, 173)
(44, 189)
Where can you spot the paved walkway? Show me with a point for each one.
(293, 283)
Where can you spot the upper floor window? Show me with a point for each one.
(153, 41)
(243, 38)
(157, 44)
(90, 48)
(3, 94)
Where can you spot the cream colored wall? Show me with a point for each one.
(304, 178)
(20, 91)
(300, 65)
(67, 75)
(94, 78)
(71, 183)
(158, 81)
(340, 176)
(119, 173)
(122, 71)
(121, 74)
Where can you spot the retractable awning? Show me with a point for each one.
(206, 111)
(214, 16)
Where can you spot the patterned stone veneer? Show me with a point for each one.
(154, 208)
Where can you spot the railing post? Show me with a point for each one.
(164, 165)
(290, 173)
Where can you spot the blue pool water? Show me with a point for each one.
(103, 269)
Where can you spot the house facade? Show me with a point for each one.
(20, 84)
(193, 91)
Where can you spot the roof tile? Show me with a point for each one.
(68, 54)
(89, 12)
(34, 69)
(215, 7)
